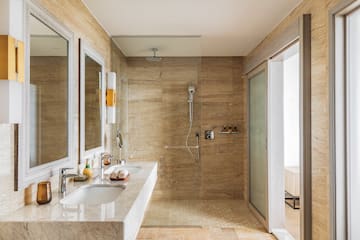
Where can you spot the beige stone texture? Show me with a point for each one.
(158, 117)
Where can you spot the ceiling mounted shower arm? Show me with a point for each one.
(154, 57)
(154, 52)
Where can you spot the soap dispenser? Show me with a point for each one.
(87, 170)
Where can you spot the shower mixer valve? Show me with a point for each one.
(209, 134)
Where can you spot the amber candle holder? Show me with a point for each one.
(44, 193)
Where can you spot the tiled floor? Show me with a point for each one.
(189, 233)
(292, 221)
(201, 220)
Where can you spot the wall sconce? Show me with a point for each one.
(111, 97)
(11, 79)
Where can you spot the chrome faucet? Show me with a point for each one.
(104, 156)
(102, 165)
(62, 179)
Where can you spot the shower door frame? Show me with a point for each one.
(261, 67)
(301, 30)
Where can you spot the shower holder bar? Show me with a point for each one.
(181, 147)
(229, 132)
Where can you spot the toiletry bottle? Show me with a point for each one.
(87, 170)
(235, 129)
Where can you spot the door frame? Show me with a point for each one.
(302, 32)
(337, 101)
(261, 67)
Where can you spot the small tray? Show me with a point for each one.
(120, 179)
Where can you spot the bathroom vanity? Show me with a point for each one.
(120, 218)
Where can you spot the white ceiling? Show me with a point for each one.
(168, 46)
(226, 27)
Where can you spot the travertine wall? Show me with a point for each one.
(320, 104)
(158, 116)
(223, 102)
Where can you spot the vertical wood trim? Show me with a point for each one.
(305, 121)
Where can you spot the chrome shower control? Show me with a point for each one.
(209, 135)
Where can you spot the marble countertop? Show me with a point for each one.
(115, 211)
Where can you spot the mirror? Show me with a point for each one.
(92, 103)
(48, 94)
(92, 92)
(46, 135)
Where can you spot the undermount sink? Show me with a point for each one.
(93, 194)
(131, 169)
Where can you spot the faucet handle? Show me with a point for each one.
(63, 170)
(106, 156)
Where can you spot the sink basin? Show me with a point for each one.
(94, 194)
(130, 168)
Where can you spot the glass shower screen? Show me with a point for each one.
(257, 141)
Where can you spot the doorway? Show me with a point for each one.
(284, 143)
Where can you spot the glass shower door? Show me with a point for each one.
(257, 141)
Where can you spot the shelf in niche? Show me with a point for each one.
(229, 132)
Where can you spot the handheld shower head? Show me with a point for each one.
(191, 89)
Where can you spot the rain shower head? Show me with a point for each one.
(154, 58)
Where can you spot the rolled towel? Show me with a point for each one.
(113, 175)
(123, 173)
(119, 175)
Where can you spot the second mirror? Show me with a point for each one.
(92, 102)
